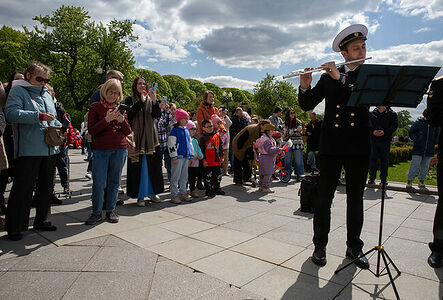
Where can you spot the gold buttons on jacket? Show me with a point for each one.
(352, 114)
(337, 115)
(338, 106)
(352, 124)
(336, 125)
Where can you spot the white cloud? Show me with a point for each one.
(429, 9)
(423, 29)
(229, 81)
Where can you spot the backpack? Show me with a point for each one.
(308, 191)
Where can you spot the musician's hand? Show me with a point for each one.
(306, 79)
(331, 69)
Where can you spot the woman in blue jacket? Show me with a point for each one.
(425, 137)
(30, 109)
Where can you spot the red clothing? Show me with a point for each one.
(106, 136)
(212, 149)
(205, 112)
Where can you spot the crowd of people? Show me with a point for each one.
(198, 149)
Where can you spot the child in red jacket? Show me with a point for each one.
(212, 148)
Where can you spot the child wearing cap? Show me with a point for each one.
(180, 151)
(193, 169)
(212, 149)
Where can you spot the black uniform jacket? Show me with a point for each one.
(345, 129)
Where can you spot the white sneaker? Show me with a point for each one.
(121, 190)
(88, 175)
(141, 202)
(155, 199)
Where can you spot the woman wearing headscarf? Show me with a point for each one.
(145, 177)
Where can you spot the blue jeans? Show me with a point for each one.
(419, 162)
(294, 157)
(311, 160)
(179, 176)
(106, 173)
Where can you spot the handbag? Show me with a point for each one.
(53, 134)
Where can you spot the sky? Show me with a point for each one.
(234, 43)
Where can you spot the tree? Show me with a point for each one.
(404, 123)
(13, 52)
(80, 52)
(180, 92)
(270, 93)
(197, 87)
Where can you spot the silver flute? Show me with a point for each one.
(319, 69)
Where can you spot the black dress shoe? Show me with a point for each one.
(362, 262)
(319, 256)
(200, 186)
(220, 192)
(435, 260)
(45, 226)
(55, 200)
(17, 236)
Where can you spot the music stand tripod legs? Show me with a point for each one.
(381, 252)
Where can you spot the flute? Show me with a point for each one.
(298, 73)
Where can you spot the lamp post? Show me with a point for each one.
(227, 97)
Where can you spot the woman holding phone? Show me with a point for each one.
(145, 177)
(109, 129)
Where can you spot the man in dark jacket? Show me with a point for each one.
(384, 122)
(313, 130)
(435, 118)
(425, 137)
(344, 142)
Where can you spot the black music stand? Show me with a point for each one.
(384, 85)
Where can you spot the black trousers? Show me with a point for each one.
(28, 170)
(438, 218)
(62, 165)
(242, 170)
(212, 178)
(379, 150)
(193, 175)
(356, 168)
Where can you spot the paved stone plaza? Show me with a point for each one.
(245, 245)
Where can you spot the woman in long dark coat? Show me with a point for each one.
(144, 175)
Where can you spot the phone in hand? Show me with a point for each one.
(154, 86)
(122, 108)
(164, 100)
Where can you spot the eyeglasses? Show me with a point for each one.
(209, 126)
(41, 79)
(292, 112)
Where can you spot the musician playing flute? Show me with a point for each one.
(344, 143)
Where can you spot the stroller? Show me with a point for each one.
(279, 167)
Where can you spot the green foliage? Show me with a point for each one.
(180, 92)
(13, 52)
(404, 123)
(399, 154)
(80, 52)
(270, 93)
(197, 87)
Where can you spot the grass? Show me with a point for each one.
(399, 173)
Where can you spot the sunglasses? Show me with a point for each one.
(41, 79)
(292, 112)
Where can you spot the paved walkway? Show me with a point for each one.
(245, 245)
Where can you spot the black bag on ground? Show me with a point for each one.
(308, 191)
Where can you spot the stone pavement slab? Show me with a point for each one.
(35, 285)
(185, 250)
(245, 245)
(232, 267)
